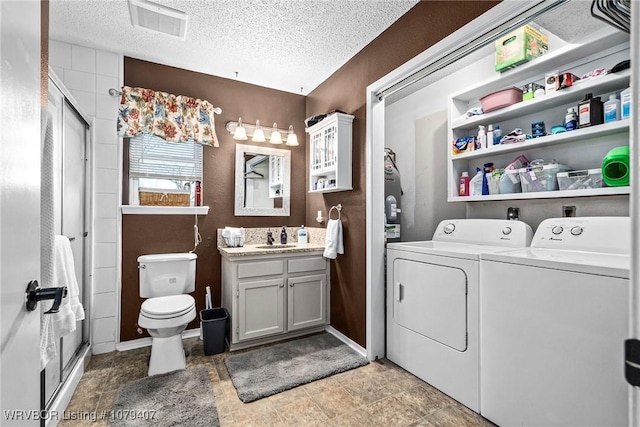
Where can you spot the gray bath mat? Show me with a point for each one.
(271, 370)
(179, 398)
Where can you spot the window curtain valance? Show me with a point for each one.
(174, 118)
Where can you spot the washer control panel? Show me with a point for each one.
(594, 234)
(489, 232)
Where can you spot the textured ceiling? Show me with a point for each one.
(287, 45)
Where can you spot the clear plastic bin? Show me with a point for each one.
(510, 182)
(580, 180)
(541, 178)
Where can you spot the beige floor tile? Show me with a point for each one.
(359, 417)
(286, 397)
(424, 400)
(391, 412)
(335, 401)
(302, 412)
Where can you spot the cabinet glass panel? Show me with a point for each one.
(330, 147)
(316, 151)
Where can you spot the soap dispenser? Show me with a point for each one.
(302, 236)
(283, 236)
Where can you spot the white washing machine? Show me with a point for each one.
(432, 302)
(554, 318)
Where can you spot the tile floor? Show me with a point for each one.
(378, 394)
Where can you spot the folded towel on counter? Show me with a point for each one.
(333, 239)
(71, 310)
(233, 236)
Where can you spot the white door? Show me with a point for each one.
(19, 210)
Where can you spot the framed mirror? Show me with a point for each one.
(262, 181)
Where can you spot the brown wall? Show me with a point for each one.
(425, 24)
(147, 234)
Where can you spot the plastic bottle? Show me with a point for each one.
(198, 194)
(464, 184)
(482, 138)
(571, 119)
(475, 185)
(497, 135)
(590, 111)
(283, 236)
(488, 168)
(490, 135)
(625, 101)
(302, 236)
(612, 109)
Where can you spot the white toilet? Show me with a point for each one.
(166, 280)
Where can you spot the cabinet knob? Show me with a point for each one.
(291, 285)
(282, 285)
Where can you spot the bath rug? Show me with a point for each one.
(271, 370)
(178, 398)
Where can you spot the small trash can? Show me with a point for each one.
(214, 327)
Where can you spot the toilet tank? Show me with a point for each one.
(167, 274)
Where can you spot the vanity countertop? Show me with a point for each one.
(251, 250)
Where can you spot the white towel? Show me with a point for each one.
(47, 221)
(333, 239)
(71, 310)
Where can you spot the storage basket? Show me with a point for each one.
(541, 177)
(155, 197)
(580, 180)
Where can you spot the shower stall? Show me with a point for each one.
(72, 218)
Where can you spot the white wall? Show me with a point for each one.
(88, 74)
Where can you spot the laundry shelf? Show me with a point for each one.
(605, 191)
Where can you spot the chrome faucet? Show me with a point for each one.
(270, 238)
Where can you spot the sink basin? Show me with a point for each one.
(276, 246)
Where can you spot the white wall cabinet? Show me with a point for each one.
(330, 154)
(579, 149)
(273, 297)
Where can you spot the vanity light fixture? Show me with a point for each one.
(240, 133)
(253, 132)
(258, 133)
(292, 139)
(276, 137)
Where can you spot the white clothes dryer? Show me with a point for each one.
(554, 318)
(432, 302)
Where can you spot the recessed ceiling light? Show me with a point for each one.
(158, 18)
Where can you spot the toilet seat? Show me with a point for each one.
(167, 307)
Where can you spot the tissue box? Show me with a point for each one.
(520, 46)
(156, 197)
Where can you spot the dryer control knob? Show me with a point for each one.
(577, 230)
(506, 231)
(448, 229)
(557, 229)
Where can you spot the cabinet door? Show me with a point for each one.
(306, 297)
(260, 308)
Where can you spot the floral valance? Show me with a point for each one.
(174, 118)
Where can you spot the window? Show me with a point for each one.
(157, 164)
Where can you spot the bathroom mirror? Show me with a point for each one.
(262, 181)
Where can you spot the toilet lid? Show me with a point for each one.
(169, 306)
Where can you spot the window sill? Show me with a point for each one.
(164, 210)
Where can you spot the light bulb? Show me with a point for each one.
(276, 138)
(258, 133)
(292, 139)
(240, 133)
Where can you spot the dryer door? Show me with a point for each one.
(431, 300)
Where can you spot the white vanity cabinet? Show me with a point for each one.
(273, 297)
(330, 154)
(579, 149)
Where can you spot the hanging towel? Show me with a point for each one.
(333, 239)
(71, 310)
(47, 221)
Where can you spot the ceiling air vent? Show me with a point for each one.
(158, 18)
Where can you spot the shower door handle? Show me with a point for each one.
(34, 293)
